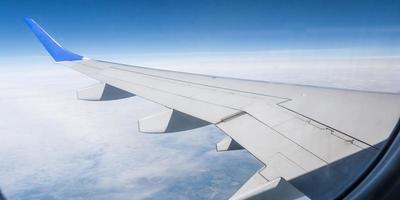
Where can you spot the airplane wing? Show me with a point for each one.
(310, 139)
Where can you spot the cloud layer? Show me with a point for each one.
(54, 146)
(57, 147)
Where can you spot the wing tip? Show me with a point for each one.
(52, 46)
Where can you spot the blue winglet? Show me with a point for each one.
(55, 50)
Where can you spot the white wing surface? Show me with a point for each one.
(309, 139)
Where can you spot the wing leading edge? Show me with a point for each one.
(303, 135)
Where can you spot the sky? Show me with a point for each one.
(177, 26)
(56, 147)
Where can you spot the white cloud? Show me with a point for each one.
(54, 146)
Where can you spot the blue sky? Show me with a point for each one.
(121, 27)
